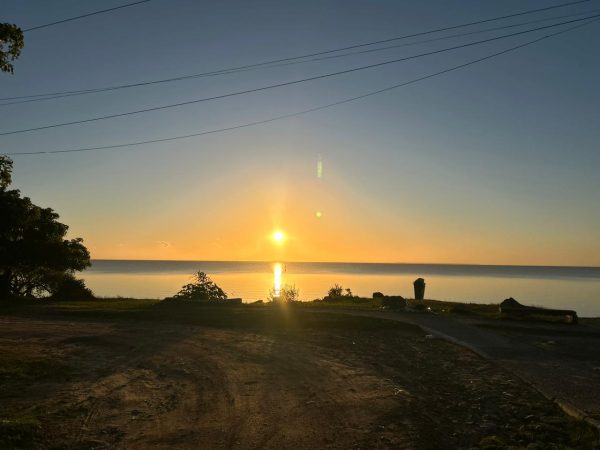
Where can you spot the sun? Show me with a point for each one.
(278, 236)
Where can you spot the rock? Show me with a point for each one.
(419, 285)
(393, 302)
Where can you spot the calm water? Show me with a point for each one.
(565, 287)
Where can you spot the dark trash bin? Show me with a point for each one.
(419, 285)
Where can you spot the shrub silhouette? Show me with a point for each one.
(287, 294)
(203, 288)
(67, 287)
(337, 292)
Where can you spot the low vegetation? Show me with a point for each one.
(202, 288)
(20, 433)
(287, 294)
(338, 292)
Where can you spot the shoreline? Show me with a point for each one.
(484, 310)
(252, 281)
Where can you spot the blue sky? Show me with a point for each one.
(496, 163)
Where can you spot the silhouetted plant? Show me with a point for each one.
(67, 287)
(286, 294)
(11, 44)
(6, 166)
(203, 288)
(335, 291)
(33, 250)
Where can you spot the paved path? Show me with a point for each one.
(561, 361)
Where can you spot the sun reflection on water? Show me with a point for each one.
(277, 270)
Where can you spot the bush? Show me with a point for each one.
(286, 294)
(337, 293)
(378, 295)
(70, 288)
(203, 289)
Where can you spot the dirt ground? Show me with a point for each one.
(561, 360)
(288, 380)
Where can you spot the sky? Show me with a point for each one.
(496, 163)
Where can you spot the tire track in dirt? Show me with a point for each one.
(147, 385)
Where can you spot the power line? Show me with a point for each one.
(66, 94)
(83, 16)
(307, 111)
(274, 61)
(287, 83)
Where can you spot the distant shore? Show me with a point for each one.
(553, 287)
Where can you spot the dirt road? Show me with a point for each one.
(560, 360)
(337, 383)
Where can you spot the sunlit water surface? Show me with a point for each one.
(561, 287)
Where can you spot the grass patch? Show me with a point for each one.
(266, 317)
(19, 433)
(361, 303)
(19, 367)
(101, 308)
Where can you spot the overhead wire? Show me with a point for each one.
(66, 94)
(311, 110)
(287, 83)
(70, 19)
(308, 55)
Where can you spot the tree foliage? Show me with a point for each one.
(67, 287)
(11, 44)
(6, 166)
(34, 254)
(202, 288)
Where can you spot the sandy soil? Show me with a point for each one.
(138, 385)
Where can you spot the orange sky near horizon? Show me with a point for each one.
(354, 227)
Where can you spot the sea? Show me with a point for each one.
(575, 288)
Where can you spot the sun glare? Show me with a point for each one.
(278, 236)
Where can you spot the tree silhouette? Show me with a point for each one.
(35, 257)
(11, 44)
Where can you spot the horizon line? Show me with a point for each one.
(348, 262)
